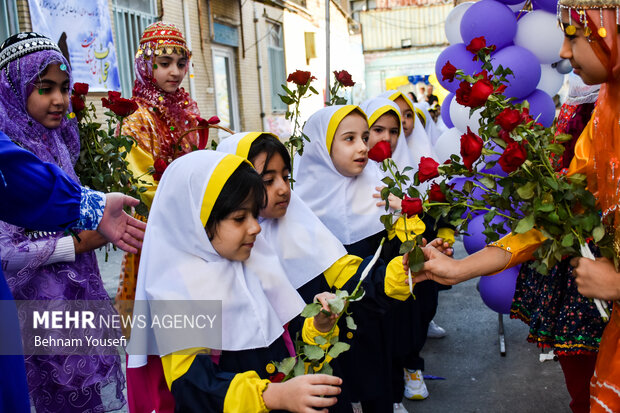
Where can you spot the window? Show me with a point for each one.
(277, 70)
(8, 16)
(131, 17)
(226, 102)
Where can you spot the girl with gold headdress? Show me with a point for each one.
(165, 123)
(592, 44)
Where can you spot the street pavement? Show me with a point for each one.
(477, 377)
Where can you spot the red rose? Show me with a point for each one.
(344, 77)
(118, 105)
(525, 116)
(80, 89)
(448, 71)
(508, 119)
(514, 155)
(471, 148)
(435, 194)
(160, 166)
(411, 206)
(427, 169)
(462, 93)
(505, 136)
(476, 44)
(277, 378)
(300, 77)
(381, 151)
(480, 92)
(77, 103)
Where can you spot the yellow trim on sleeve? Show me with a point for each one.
(245, 394)
(342, 270)
(395, 284)
(521, 246)
(177, 364)
(221, 173)
(309, 333)
(382, 111)
(139, 163)
(447, 234)
(335, 120)
(415, 226)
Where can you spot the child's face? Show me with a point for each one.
(276, 179)
(585, 63)
(235, 235)
(49, 100)
(384, 129)
(350, 145)
(406, 115)
(169, 71)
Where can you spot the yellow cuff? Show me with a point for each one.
(342, 270)
(176, 364)
(139, 163)
(309, 332)
(395, 280)
(415, 227)
(521, 246)
(447, 234)
(245, 393)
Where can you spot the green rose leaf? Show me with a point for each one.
(310, 310)
(286, 365)
(525, 224)
(313, 352)
(350, 323)
(338, 348)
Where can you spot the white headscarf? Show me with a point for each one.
(344, 204)
(303, 244)
(418, 142)
(375, 108)
(179, 262)
(429, 125)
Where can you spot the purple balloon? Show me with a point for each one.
(460, 58)
(476, 240)
(541, 106)
(497, 291)
(525, 68)
(510, 2)
(491, 19)
(550, 6)
(445, 110)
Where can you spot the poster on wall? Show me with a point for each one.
(84, 26)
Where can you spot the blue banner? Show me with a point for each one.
(86, 24)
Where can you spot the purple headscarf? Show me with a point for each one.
(61, 145)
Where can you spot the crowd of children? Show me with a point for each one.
(225, 225)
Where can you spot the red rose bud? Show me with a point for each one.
(381, 151)
(462, 93)
(435, 194)
(427, 169)
(476, 44)
(448, 71)
(500, 89)
(525, 116)
(505, 136)
(77, 103)
(344, 78)
(300, 77)
(160, 166)
(80, 89)
(508, 119)
(118, 105)
(513, 157)
(277, 378)
(471, 148)
(411, 206)
(480, 92)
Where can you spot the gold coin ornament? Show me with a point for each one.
(570, 30)
(602, 32)
(586, 31)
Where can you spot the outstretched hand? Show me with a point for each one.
(120, 228)
(395, 202)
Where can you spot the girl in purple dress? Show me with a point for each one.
(35, 81)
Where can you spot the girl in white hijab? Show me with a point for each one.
(201, 244)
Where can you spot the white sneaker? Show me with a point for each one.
(435, 331)
(357, 407)
(399, 408)
(415, 389)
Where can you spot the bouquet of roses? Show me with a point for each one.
(525, 190)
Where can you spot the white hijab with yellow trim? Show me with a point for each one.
(377, 107)
(303, 244)
(418, 142)
(345, 205)
(179, 262)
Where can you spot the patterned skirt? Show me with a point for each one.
(558, 315)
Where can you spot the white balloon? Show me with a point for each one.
(453, 22)
(550, 80)
(459, 115)
(447, 144)
(538, 31)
